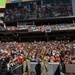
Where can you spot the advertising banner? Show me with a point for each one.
(2, 3)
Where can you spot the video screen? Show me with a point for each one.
(55, 8)
(16, 0)
(20, 11)
(37, 10)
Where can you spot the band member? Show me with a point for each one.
(44, 63)
(26, 63)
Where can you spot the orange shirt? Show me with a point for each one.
(22, 48)
(52, 59)
(57, 59)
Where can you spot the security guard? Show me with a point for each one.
(44, 63)
(26, 63)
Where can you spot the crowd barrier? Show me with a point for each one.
(70, 69)
(54, 69)
(18, 70)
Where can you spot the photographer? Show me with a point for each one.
(3, 66)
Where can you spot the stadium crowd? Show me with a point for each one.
(30, 28)
(33, 10)
(12, 53)
(57, 51)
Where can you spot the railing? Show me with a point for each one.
(70, 69)
(54, 69)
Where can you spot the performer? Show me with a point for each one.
(44, 63)
(26, 62)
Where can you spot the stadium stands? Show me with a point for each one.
(50, 30)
